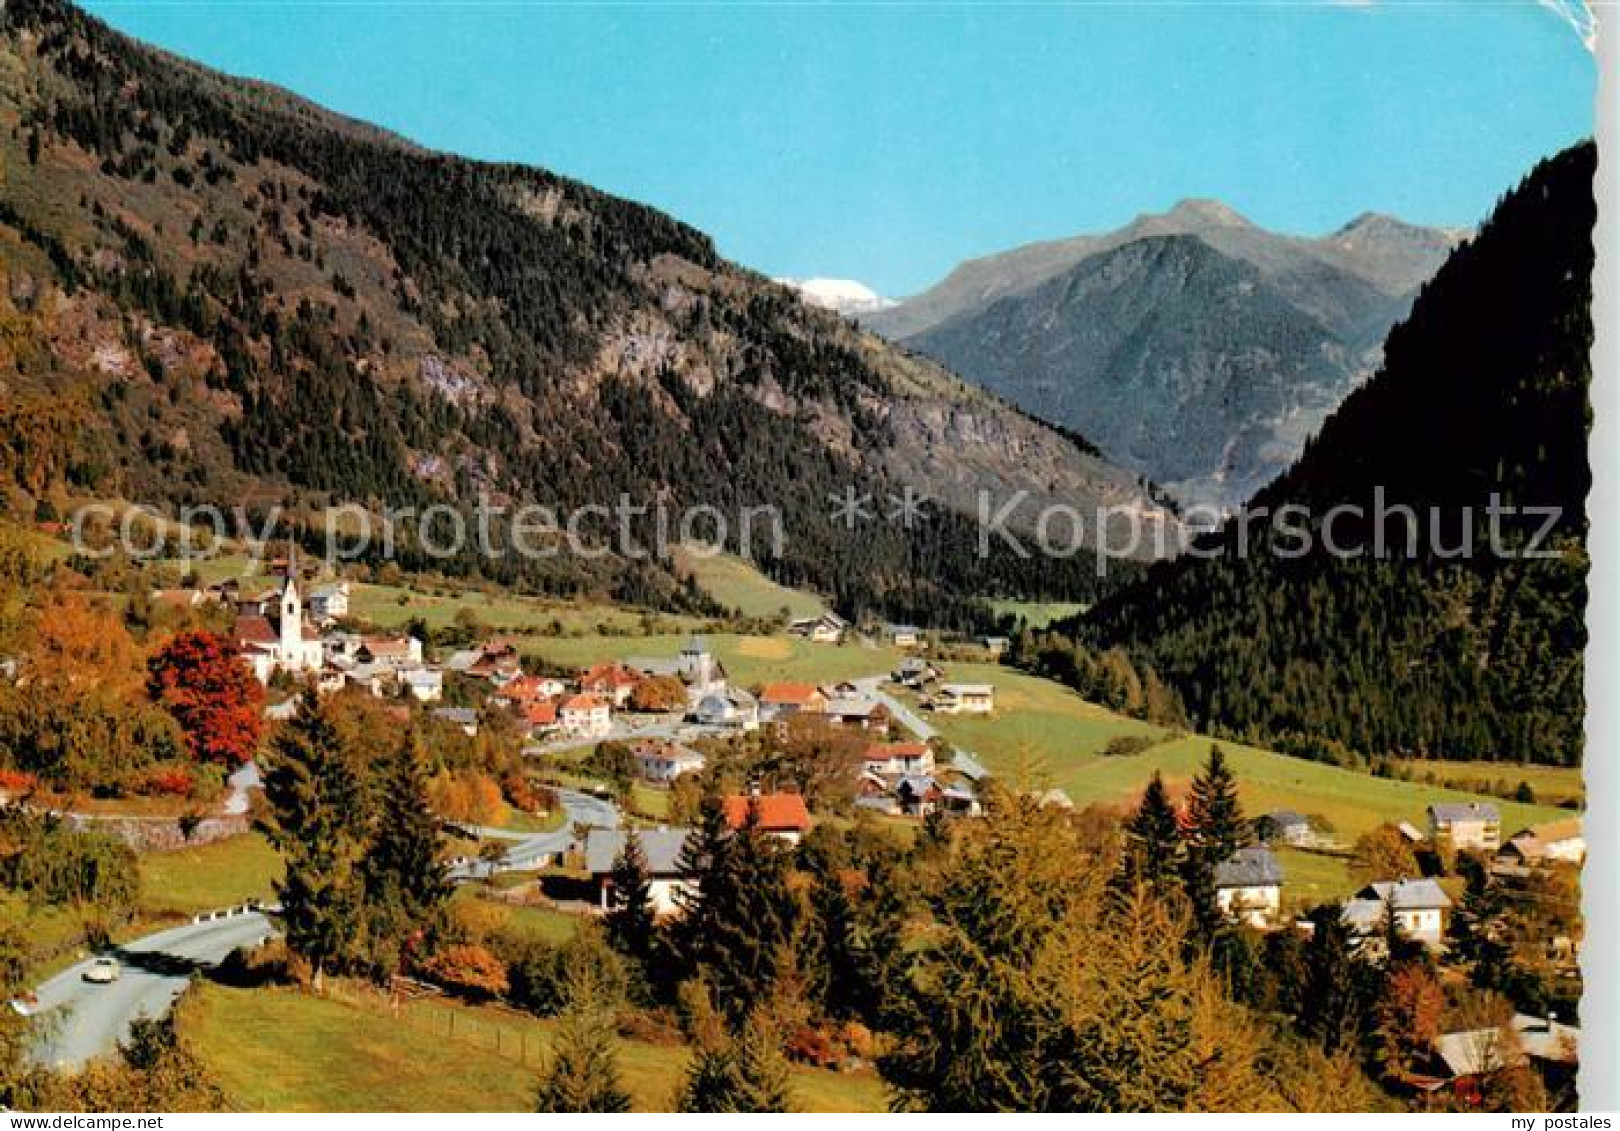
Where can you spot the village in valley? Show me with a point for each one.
(580, 766)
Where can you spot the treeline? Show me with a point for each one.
(1447, 645)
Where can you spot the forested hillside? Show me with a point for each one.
(1483, 393)
(1193, 346)
(215, 292)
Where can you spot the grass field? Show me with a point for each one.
(749, 660)
(1552, 784)
(737, 584)
(282, 1050)
(1041, 725)
(1038, 614)
(189, 880)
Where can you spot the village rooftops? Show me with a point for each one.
(584, 702)
(661, 847)
(778, 812)
(888, 751)
(1407, 895)
(1249, 868)
(1288, 819)
(1479, 1052)
(1449, 813)
(789, 694)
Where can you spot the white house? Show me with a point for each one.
(662, 849)
(1468, 825)
(1558, 842)
(587, 716)
(897, 758)
(964, 698)
(1248, 886)
(828, 628)
(732, 707)
(905, 635)
(425, 685)
(1419, 908)
(329, 602)
(663, 762)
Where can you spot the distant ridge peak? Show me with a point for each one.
(1202, 210)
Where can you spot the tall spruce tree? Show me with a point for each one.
(741, 917)
(1334, 998)
(405, 884)
(631, 924)
(583, 1073)
(317, 820)
(1214, 813)
(1153, 848)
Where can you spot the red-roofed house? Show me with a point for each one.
(588, 716)
(613, 681)
(780, 814)
(541, 717)
(779, 700)
(900, 758)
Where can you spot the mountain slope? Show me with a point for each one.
(218, 292)
(1186, 362)
(1420, 648)
(1208, 379)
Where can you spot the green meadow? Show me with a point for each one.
(277, 1049)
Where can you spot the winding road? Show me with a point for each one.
(533, 851)
(84, 1020)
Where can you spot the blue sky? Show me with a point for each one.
(888, 142)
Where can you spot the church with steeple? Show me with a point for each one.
(284, 644)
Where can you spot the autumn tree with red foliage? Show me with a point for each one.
(200, 680)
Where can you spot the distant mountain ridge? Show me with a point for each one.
(1207, 379)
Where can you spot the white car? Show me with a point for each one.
(102, 971)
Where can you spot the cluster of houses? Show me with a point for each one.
(1249, 884)
(902, 779)
(781, 815)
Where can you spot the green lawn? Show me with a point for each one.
(189, 880)
(282, 1050)
(1552, 784)
(393, 606)
(738, 584)
(749, 660)
(1041, 725)
(1312, 878)
(1038, 614)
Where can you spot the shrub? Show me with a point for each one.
(467, 969)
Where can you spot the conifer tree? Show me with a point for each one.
(1214, 813)
(745, 1072)
(741, 914)
(1153, 840)
(405, 883)
(631, 926)
(317, 821)
(583, 1074)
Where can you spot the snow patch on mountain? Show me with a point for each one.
(846, 296)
